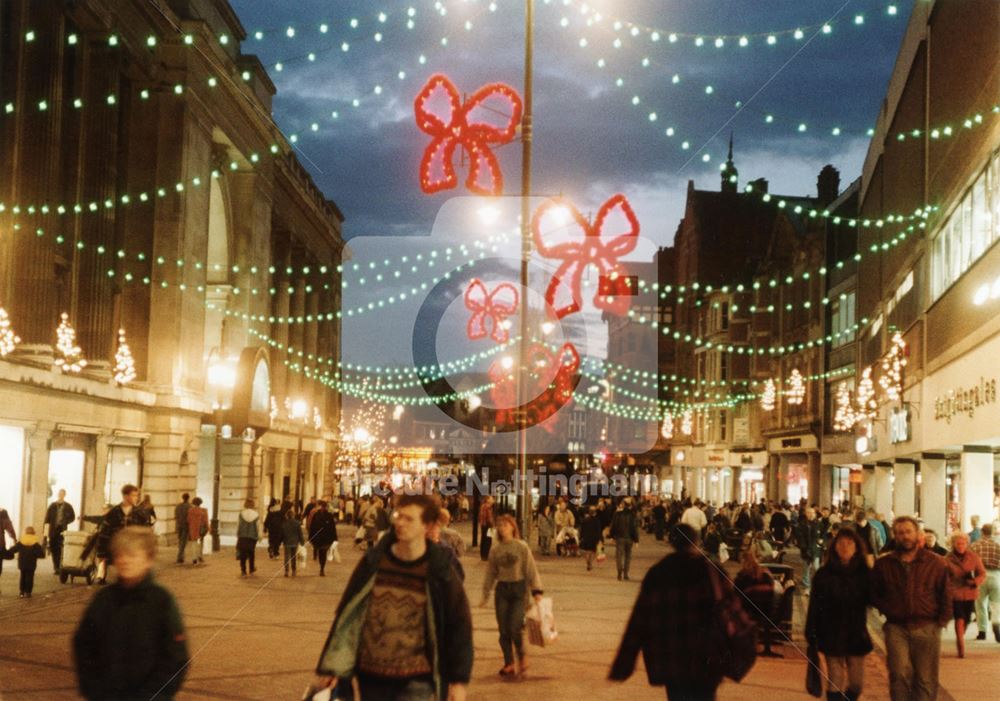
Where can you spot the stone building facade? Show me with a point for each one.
(146, 188)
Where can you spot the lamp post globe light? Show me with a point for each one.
(221, 377)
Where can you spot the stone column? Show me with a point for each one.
(34, 504)
(934, 492)
(815, 479)
(868, 486)
(825, 493)
(782, 493)
(771, 477)
(678, 480)
(883, 488)
(734, 487)
(904, 489)
(235, 485)
(976, 485)
(170, 468)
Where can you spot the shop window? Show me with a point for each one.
(843, 319)
(12, 472)
(971, 228)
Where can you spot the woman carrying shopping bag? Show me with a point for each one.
(511, 567)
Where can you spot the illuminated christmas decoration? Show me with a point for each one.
(769, 397)
(796, 388)
(591, 248)
(274, 409)
(667, 430)
(69, 357)
(8, 339)
(551, 379)
(687, 423)
(893, 362)
(490, 310)
(317, 419)
(124, 362)
(865, 398)
(844, 417)
(459, 127)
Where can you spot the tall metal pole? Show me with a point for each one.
(216, 481)
(524, 501)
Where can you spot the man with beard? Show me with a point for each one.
(910, 586)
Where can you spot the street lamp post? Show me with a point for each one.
(524, 504)
(221, 378)
(299, 410)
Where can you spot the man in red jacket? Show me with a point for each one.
(910, 586)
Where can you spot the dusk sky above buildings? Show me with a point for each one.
(591, 140)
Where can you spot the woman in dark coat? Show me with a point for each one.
(837, 621)
(272, 525)
(322, 533)
(590, 536)
(757, 587)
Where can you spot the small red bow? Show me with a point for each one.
(595, 248)
(493, 306)
(462, 129)
(551, 381)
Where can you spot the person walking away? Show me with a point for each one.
(870, 535)
(272, 525)
(122, 515)
(512, 569)
(780, 525)
(291, 538)
(932, 544)
(130, 644)
(911, 587)
(976, 533)
(988, 601)
(590, 536)
(382, 520)
(145, 513)
(403, 627)
(967, 574)
(624, 531)
(485, 526)
(564, 519)
(756, 585)
(247, 535)
(675, 621)
(546, 530)
(660, 520)
(180, 523)
(694, 517)
(435, 534)
(837, 619)
(58, 517)
(450, 536)
(197, 530)
(349, 512)
(29, 551)
(810, 542)
(322, 533)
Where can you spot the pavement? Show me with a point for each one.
(259, 637)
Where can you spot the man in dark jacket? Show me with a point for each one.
(125, 514)
(131, 645)
(810, 540)
(675, 622)
(58, 518)
(403, 626)
(322, 533)
(625, 532)
(911, 587)
(181, 521)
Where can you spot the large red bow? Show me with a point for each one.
(461, 128)
(594, 248)
(492, 307)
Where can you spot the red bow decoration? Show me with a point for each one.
(493, 307)
(595, 248)
(551, 379)
(460, 128)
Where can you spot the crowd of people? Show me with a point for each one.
(407, 592)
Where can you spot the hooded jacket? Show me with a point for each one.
(248, 525)
(29, 552)
(449, 621)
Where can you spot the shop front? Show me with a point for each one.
(793, 472)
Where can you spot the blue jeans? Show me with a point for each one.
(623, 555)
(809, 566)
(509, 603)
(913, 655)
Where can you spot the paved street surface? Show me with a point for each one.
(259, 638)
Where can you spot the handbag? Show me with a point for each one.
(491, 533)
(814, 682)
(736, 631)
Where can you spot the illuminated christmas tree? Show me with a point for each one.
(893, 362)
(796, 388)
(865, 399)
(8, 339)
(69, 356)
(687, 423)
(124, 363)
(769, 396)
(667, 431)
(844, 417)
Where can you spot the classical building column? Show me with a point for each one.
(678, 481)
(815, 480)
(883, 488)
(904, 489)
(868, 486)
(934, 492)
(976, 484)
(37, 480)
(825, 493)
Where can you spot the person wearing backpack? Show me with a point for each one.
(247, 535)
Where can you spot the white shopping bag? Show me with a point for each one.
(303, 556)
(723, 553)
(541, 623)
(335, 552)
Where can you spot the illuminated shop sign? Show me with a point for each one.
(965, 400)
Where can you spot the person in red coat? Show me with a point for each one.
(967, 573)
(197, 529)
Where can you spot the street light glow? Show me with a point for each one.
(489, 214)
(221, 375)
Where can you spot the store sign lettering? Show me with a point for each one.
(965, 400)
(899, 425)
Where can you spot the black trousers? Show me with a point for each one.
(56, 548)
(27, 581)
(484, 542)
(320, 552)
(692, 691)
